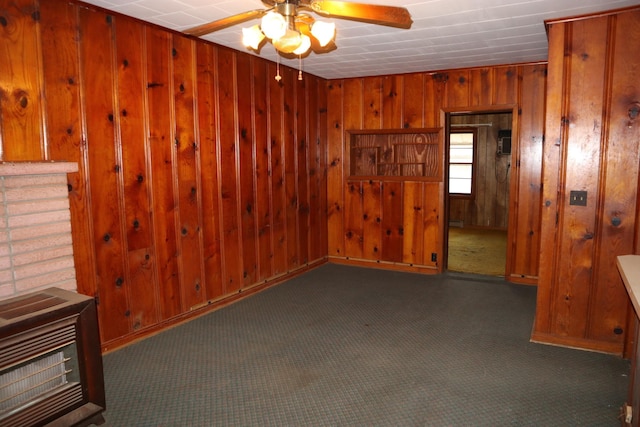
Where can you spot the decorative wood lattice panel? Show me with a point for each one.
(414, 154)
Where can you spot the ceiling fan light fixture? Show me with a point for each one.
(304, 46)
(289, 42)
(285, 22)
(324, 32)
(252, 37)
(274, 25)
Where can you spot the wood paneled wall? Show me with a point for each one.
(200, 177)
(592, 144)
(400, 224)
(489, 206)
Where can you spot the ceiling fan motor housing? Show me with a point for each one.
(287, 9)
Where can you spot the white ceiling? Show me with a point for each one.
(445, 34)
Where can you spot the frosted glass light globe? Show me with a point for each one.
(274, 25)
(304, 46)
(252, 37)
(324, 32)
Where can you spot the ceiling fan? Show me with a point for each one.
(293, 31)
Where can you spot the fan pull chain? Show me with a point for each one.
(278, 76)
(300, 68)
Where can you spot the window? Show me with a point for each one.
(461, 148)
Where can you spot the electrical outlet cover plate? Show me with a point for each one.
(578, 198)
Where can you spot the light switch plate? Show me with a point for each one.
(578, 198)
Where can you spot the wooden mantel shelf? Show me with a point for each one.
(629, 267)
(36, 168)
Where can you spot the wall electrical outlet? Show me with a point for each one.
(578, 198)
(628, 414)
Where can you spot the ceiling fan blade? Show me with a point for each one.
(220, 24)
(392, 16)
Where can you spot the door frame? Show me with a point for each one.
(445, 115)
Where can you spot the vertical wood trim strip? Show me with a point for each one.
(44, 143)
(610, 48)
(217, 142)
(335, 162)
(295, 140)
(269, 165)
(254, 143)
(559, 180)
(553, 141)
(198, 172)
(236, 141)
(174, 171)
(307, 160)
(149, 167)
(119, 171)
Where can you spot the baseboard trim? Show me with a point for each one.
(385, 265)
(578, 343)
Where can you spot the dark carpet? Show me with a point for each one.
(346, 346)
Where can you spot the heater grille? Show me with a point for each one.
(36, 341)
(31, 380)
(49, 405)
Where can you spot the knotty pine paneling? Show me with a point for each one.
(65, 127)
(481, 84)
(372, 103)
(411, 100)
(278, 200)
(354, 227)
(159, 89)
(246, 151)
(408, 230)
(432, 238)
(262, 206)
(371, 220)
(201, 178)
(591, 145)
(392, 96)
(21, 91)
(130, 95)
(622, 169)
(290, 170)
(317, 126)
(335, 170)
(209, 169)
(413, 223)
(526, 177)
(505, 84)
(302, 169)
(104, 154)
(392, 215)
(458, 89)
(230, 175)
(187, 171)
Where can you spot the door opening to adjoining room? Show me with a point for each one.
(478, 147)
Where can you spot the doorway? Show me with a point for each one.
(478, 182)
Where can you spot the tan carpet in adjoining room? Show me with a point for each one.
(477, 250)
